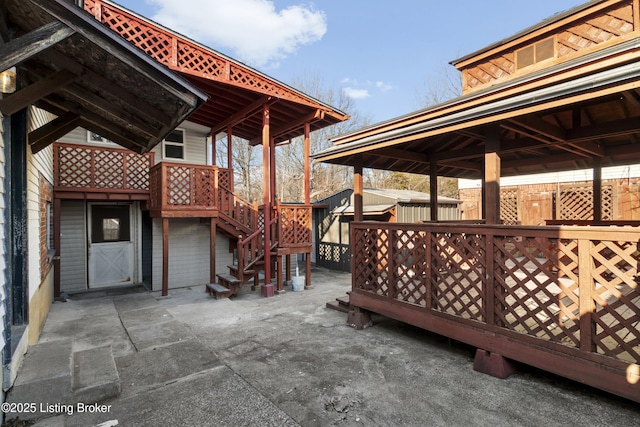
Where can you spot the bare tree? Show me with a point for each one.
(247, 166)
(436, 89)
(325, 178)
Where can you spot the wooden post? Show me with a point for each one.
(165, 257)
(288, 270)
(279, 278)
(357, 190)
(229, 147)
(214, 149)
(585, 287)
(491, 202)
(307, 164)
(307, 271)
(597, 189)
(433, 191)
(57, 212)
(212, 251)
(267, 288)
(272, 170)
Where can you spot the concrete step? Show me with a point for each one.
(54, 379)
(95, 376)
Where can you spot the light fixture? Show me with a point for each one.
(8, 80)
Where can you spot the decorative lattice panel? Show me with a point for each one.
(155, 184)
(74, 167)
(458, 274)
(225, 179)
(137, 171)
(529, 297)
(581, 35)
(182, 55)
(83, 167)
(509, 206)
(370, 269)
(407, 268)
(179, 186)
(109, 168)
(575, 202)
(616, 294)
(295, 225)
(204, 182)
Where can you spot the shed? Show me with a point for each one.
(333, 214)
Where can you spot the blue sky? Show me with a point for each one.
(382, 53)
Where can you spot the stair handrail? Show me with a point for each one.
(253, 244)
(238, 208)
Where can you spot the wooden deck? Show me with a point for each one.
(84, 172)
(563, 299)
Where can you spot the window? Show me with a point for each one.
(110, 223)
(96, 137)
(111, 229)
(173, 145)
(538, 52)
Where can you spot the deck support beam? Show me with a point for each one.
(491, 184)
(165, 257)
(357, 190)
(212, 250)
(267, 288)
(433, 191)
(597, 189)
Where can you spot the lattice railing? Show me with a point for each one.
(84, 168)
(176, 186)
(575, 288)
(186, 56)
(294, 225)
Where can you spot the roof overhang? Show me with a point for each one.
(348, 210)
(87, 75)
(238, 92)
(573, 115)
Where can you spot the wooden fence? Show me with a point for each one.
(563, 299)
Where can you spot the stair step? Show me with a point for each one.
(343, 300)
(335, 305)
(234, 269)
(228, 279)
(215, 287)
(218, 291)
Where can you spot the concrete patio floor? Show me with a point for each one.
(188, 359)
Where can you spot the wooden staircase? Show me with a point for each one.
(239, 219)
(289, 228)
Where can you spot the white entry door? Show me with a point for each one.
(111, 250)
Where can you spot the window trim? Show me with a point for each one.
(182, 144)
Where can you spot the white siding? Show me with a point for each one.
(613, 172)
(188, 253)
(80, 136)
(195, 145)
(73, 250)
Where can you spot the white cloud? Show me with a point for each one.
(254, 30)
(358, 90)
(356, 93)
(384, 87)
